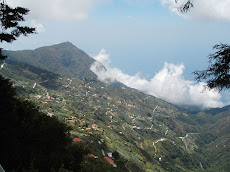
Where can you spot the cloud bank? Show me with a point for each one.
(58, 9)
(217, 10)
(167, 84)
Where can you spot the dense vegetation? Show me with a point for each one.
(30, 139)
(143, 133)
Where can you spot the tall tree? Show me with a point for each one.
(10, 19)
(31, 139)
(217, 75)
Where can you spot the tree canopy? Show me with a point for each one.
(30, 140)
(10, 24)
(217, 75)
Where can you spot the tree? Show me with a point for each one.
(186, 6)
(29, 138)
(217, 75)
(10, 28)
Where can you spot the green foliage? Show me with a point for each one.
(96, 165)
(218, 73)
(129, 121)
(64, 59)
(149, 170)
(173, 157)
(116, 155)
(30, 137)
(10, 18)
(207, 137)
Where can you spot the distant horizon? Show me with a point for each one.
(140, 36)
(168, 84)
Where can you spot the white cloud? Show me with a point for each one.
(58, 9)
(167, 84)
(103, 58)
(217, 10)
(39, 27)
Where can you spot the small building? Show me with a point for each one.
(110, 161)
(93, 156)
(77, 140)
(50, 114)
(110, 155)
(38, 96)
(94, 126)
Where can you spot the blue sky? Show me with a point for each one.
(139, 36)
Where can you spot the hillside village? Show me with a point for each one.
(92, 108)
(120, 125)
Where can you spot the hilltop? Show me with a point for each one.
(64, 59)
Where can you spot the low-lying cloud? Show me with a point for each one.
(167, 84)
(217, 10)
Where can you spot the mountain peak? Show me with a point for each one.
(64, 44)
(60, 46)
(64, 59)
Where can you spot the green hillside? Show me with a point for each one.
(64, 59)
(143, 132)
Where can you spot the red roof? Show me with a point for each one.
(94, 125)
(77, 140)
(91, 155)
(108, 159)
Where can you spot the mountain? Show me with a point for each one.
(215, 111)
(146, 133)
(64, 59)
(191, 109)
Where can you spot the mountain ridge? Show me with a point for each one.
(63, 59)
